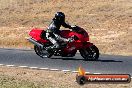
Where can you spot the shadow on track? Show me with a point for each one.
(69, 58)
(108, 61)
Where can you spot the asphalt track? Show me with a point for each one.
(105, 64)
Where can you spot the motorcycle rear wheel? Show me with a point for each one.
(90, 53)
(42, 52)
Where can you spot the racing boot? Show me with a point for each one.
(55, 46)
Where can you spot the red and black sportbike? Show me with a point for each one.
(68, 49)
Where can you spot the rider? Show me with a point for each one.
(53, 32)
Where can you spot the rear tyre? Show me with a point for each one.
(42, 52)
(90, 53)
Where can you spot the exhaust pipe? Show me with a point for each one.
(34, 42)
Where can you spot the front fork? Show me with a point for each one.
(87, 44)
(83, 45)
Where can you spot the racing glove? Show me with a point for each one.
(70, 39)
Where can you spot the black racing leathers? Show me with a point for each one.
(56, 24)
(53, 32)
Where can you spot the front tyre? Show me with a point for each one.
(90, 53)
(42, 52)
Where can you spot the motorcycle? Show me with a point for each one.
(68, 49)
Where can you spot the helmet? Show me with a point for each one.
(60, 16)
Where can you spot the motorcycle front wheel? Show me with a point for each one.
(42, 52)
(90, 53)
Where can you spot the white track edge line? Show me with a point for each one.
(44, 68)
(87, 72)
(1, 64)
(66, 70)
(96, 73)
(54, 69)
(47, 69)
(33, 67)
(23, 66)
(74, 71)
(10, 65)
